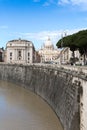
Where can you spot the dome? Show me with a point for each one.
(48, 43)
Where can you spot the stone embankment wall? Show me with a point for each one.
(62, 89)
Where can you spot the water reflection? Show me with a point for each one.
(21, 109)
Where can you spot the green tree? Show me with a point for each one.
(68, 41)
(81, 42)
(77, 41)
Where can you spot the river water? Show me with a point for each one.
(20, 109)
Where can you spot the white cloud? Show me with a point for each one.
(36, 0)
(74, 2)
(82, 4)
(39, 38)
(41, 35)
(62, 2)
(46, 4)
(49, 2)
(78, 2)
(3, 27)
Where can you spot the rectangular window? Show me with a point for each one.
(19, 53)
(28, 54)
(10, 53)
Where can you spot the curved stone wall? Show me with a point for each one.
(62, 89)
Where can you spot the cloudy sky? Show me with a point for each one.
(36, 20)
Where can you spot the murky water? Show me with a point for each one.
(21, 109)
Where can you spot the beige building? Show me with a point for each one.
(2, 54)
(48, 53)
(20, 51)
(66, 55)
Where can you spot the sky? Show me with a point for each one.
(36, 20)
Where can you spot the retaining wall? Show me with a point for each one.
(61, 88)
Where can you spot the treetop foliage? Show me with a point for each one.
(77, 41)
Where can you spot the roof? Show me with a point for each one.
(19, 40)
(48, 42)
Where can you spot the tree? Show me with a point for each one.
(77, 41)
(68, 41)
(82, 43)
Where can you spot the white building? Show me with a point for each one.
(48, 53)
(66, 55)
(20, 51)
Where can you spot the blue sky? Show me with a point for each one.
(36, 20)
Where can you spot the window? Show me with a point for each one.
(19, 53)
(28, 54)
(10, 53)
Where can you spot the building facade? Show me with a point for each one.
(1, 54)
(66, 57)
(48, 53)
(20, 51)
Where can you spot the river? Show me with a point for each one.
(21, 109)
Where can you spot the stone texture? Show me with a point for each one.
(57, 86)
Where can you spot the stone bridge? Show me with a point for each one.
(63, 88)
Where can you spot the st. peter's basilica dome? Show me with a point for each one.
(48, 43)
